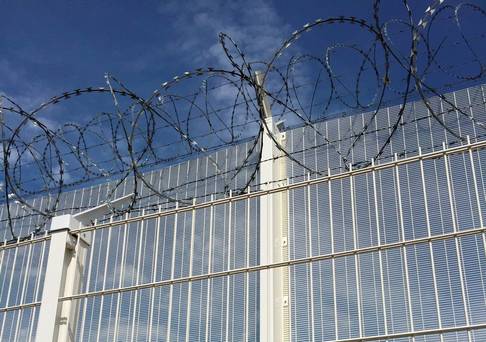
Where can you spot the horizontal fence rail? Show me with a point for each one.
(20, 307)
(416, 333)
(31, 240)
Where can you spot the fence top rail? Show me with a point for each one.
(28, 240)
(19, 307)
(284, 186)
(417, 333)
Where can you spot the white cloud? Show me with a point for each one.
(16, 84)
(56, 174)
(254, 25)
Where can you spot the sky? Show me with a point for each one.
(48, 47)
(52, 46)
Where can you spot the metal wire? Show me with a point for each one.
(200, 111)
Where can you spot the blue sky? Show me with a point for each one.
(50, 46)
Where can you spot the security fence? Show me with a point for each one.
(281, 205)
(393, 250)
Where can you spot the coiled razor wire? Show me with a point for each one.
(208, 108)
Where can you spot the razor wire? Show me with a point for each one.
(126, 134)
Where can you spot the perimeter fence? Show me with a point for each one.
(294, 203)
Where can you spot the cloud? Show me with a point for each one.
(16, 84)
(255, 25)
(56, 174)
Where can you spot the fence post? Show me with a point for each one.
(64, 272)
(63, 276)
(274, 301)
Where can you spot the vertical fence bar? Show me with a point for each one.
(154, 275)
(333, 260)
(310, 253)
(137, 277)
(431, 249)
(404, 248)
(191, 265)
(88, 280)
(37, 286)
(247, 262)
(120, 280)
(105, 272)
(210, 263)
(172, 272)
(456, 240)
(356, 258)
(228, 265)
(380, 253)
(9, 289)
(24, 286)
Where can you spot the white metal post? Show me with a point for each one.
(64, 271)
(274, 302)
(60, 264)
